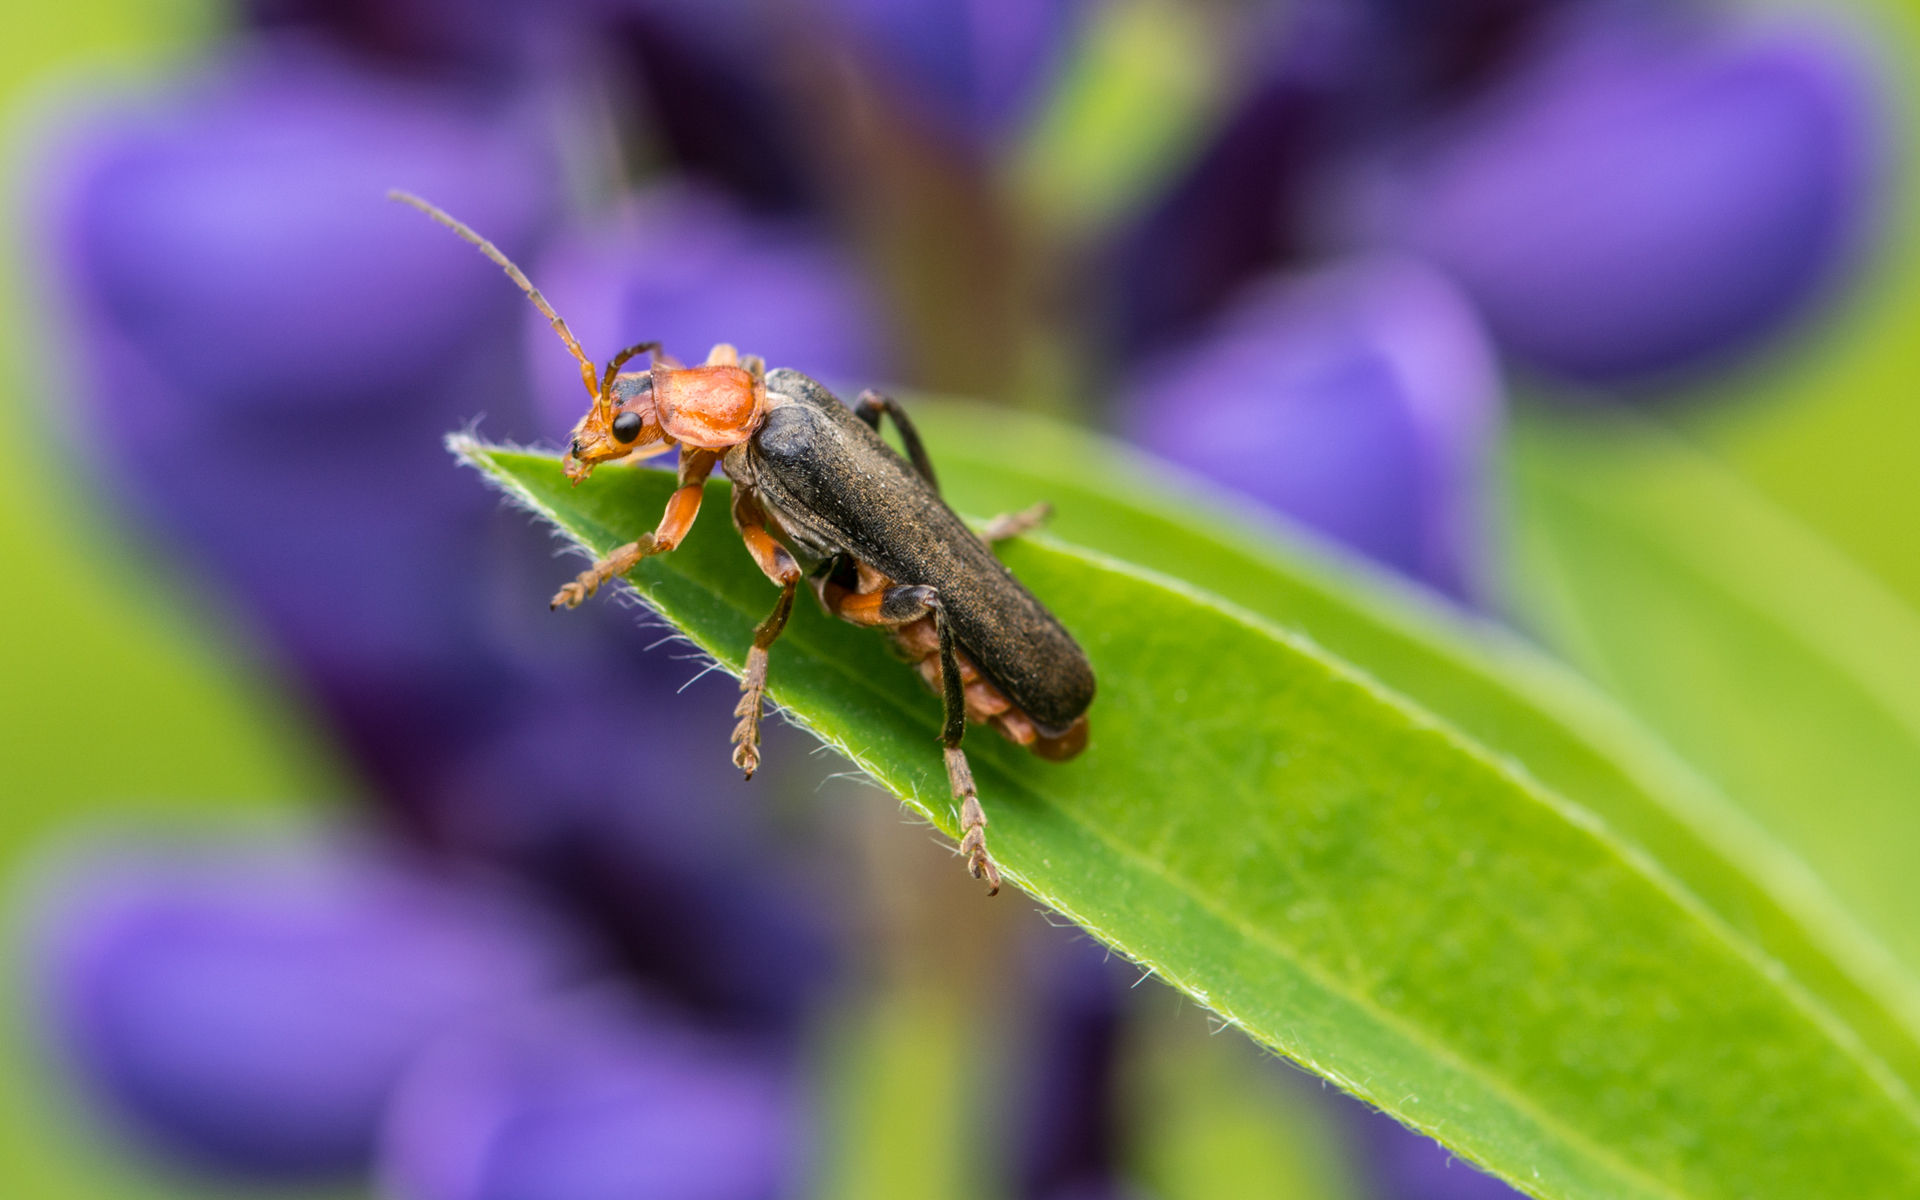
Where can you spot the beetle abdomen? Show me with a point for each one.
(836, 486)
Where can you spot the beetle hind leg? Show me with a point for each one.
(973, 821)
(973, 818)
(897, 607)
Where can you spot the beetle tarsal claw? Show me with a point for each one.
(746, 755)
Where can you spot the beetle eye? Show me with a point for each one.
(626, 427)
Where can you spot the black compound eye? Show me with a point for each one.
(626, 427)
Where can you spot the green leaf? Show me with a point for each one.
(1498, 690)
(1764, 655)
(1343, 875)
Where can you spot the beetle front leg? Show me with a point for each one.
(779, 566)
(682, 507)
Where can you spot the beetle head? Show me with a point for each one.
(624, 423)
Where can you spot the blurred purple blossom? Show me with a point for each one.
(280, 426)
(1649, 197)
(1235, 212)
(1318, 84)
(975, 68)
(1065, 1126)
(251, 1006)
(271, 353)
(685, 267)
(238, 241)
(712, 81)
(592, 1096)
(1425, 55)
(473, 41)
(1362, 401)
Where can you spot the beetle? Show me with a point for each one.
(884, 548)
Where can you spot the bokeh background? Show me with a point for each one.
(335, 866)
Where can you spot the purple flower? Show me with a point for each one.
(251, 1007)
(1324, 81)
(696, 74)
(686, 268)
(1362, 401)
(1066, 1128)
(1648, 200)
(588, 1097)
(239, 241)
(974, 67)
(281, 413)
(1427, 54)
(1237, 210)
(478, 40)
(274, 351)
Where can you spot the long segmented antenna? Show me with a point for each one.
(587, 372)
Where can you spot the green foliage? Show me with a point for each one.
(1768, 659)
(1319, 849)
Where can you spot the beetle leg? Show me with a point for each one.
(902, 605)
(779, 566)
(1012, 525)
(869, 407)
(973, 819)
(889, 607)
(682, 507)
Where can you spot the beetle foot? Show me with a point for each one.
(753, 690)
(973, 821)
(587, 582)
(973, 844)
(746, 745)
(575, 592)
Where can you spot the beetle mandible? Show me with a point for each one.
(885, 548)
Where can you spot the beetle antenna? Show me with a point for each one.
(514, 273)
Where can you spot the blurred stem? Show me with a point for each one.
(899, 1104)
(1128, 112)
(911, 1066)
(990, 266)
(925, 216)
(1217, 1118)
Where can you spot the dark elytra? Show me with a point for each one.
(835, 487)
